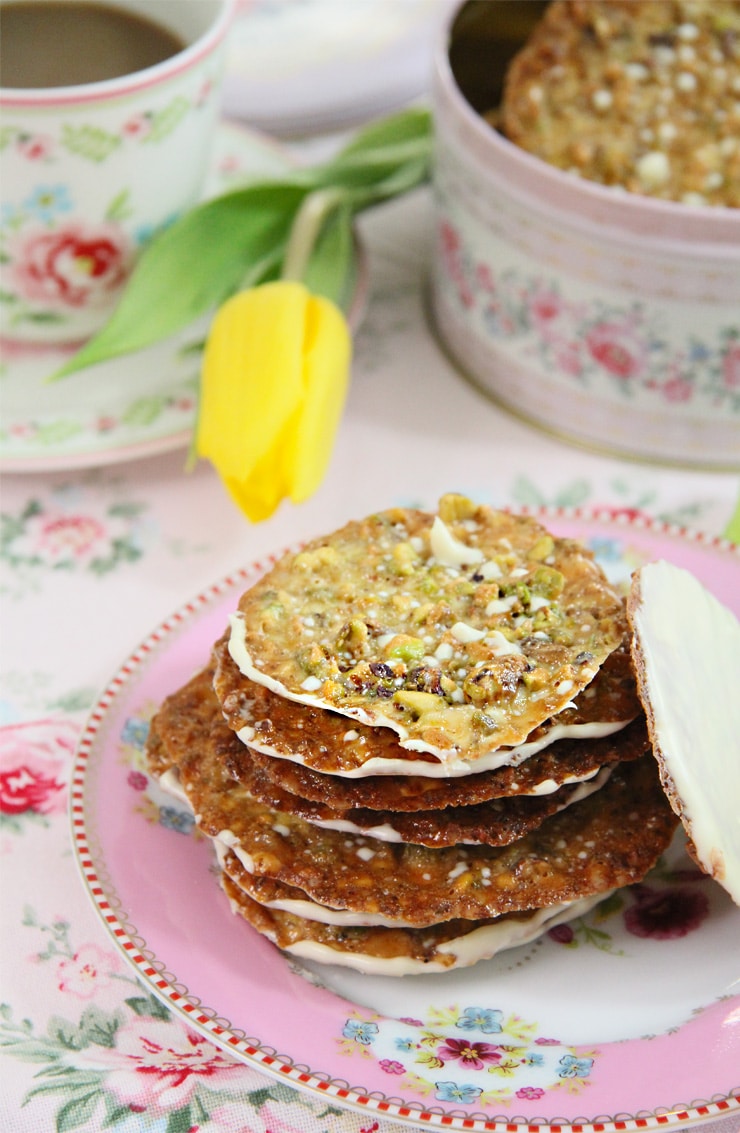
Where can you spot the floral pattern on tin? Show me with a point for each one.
(623, 349)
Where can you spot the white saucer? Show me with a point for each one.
(297, 67)
(130, 407)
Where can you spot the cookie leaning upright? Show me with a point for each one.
(686, 653)
(640, 94)
(462, 632)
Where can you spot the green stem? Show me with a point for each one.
(732, 531)
(306, 229)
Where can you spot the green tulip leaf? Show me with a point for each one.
(193, 266)
(241, 238)
(395, 138)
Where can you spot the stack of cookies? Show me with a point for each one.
(419, 742)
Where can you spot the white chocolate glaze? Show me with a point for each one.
(386, 833)
(688, 664)
(504, 757)
(480, 944)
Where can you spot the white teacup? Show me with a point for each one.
(90, 172)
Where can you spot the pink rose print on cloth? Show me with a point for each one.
(65, 534)
(232, 1117)
(87, 971)
(158, 1064)
(34, 763)
(73, 266)
(61, 537)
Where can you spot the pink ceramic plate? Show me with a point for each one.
(618, 1022)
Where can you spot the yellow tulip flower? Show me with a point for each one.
(273, 385)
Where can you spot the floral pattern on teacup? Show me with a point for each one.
(596, 345)
(57, 260)
(92, 142)
(72, 265)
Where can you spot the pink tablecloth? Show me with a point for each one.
(91, 560)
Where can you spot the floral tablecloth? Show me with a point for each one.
(91, 561)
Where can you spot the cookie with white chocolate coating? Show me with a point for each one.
(462, 632)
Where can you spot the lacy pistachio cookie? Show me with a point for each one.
(461, 631)
(186, 716)
(397, 951)
(605, 841)
(494, 823)
(561, 764)
(640, 94)
(281, 898)
(323, 741)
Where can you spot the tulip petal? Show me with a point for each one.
(252, 376)
(274, 382)
(327, 355)
(259, 495)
